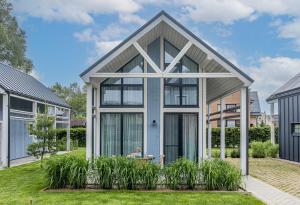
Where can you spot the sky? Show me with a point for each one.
(261, 37)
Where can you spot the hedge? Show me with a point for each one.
(76, 134)
(232, 135)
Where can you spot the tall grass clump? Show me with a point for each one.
(149, 175)
(220, 175)
(105, 172)
(78, 173)
(127, 173)
(258, 149)
(271, 149)
(57, 170)
(181, 174)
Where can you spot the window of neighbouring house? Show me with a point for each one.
(230, 123)
(21, 104)
(180, 91)
(296, 129)
(124, 91)
(229, 106)
(121, 133)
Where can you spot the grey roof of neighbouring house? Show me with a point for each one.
(179, 25)
(19, 83)
(255, 105)
(290, 87)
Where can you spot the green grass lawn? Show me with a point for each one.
(24, 184)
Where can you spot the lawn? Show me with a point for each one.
(24, 184)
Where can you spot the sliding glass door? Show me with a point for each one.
(180, 136)
(121, 133)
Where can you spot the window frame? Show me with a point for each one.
(179, 85)
(121, 130)
(293, 129)
(122, 86)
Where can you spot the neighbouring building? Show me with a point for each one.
(232, 104)
(149, 95)
(287, 98)
(21, 98)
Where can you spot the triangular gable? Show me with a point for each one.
(163, 16)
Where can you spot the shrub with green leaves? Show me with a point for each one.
(182, 173)
(218, 174)
(271, 149)
(78, 173)
(216, 153)
(258, 149)
(57, 171)
(105, 172)
(235, 153)
(149, 175)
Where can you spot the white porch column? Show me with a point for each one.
(97, 124)
(222, 138)
(272, 123)
(244, 130)
(5, 131)
(89, 110)
(68, 131)
(209, 132)
(202, 120)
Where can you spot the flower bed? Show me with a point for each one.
(130, 174)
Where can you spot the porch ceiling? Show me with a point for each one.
(216, 87)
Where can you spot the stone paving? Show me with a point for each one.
(281, 174)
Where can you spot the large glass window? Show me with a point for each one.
(124, 91)
(180, 91)
(121, 134)
(21, 104)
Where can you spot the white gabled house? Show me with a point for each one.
(152, 93)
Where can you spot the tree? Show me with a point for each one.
(12, 40)
(45, 134)
(75, 96)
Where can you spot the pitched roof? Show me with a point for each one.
(255, 105)
(163, 13)
(293, 85)
(22, 84)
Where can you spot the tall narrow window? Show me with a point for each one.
(180, 91)
(124, 91)
(121, 133)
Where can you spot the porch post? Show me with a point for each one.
(5, 132)
(89, 110)
(209, 131)
(244, 130)
(272, 123)
(204, 110)
(222, 107)
(97, 124)
(68, 131)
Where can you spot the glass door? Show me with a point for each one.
(180, 136)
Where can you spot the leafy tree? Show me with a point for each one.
(12, 40)
(45, 134)
(75, 96)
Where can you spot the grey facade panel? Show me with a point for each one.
(1, 107)
(153, 104)
(289, 112)
(22, 84)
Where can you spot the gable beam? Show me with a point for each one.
(170, 68)
(146, 57)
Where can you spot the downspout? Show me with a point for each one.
(247, 131)
(8, 129)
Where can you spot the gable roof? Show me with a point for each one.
(255, 105)
(19, 83)
(290, 87)
(163, 13)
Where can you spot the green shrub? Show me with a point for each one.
(127, 173)
(271, 149)
(78, 173)
(258, 149)
(220, 175)
(216, 153)
(105, 172)
(235, 153)
(149, 175)
(182, 173)
(76, 134)
(56, 171)
(61, 144)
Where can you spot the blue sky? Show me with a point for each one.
(64, 37)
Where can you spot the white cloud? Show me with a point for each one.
(78, 11)
(291, 30)
(85, 36)
(271, 73)
(34, 73)
(131, 18)
(105, 46)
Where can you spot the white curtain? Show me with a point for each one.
(189, 129)
(132, 133)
